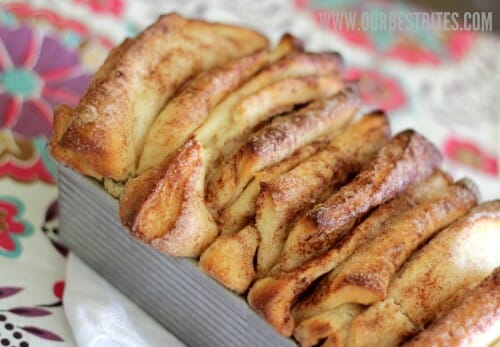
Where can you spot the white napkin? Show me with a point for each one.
(100, 316)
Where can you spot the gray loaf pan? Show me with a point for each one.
(174, 291)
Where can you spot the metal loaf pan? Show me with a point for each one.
(174, 291)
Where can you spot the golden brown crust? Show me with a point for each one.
(192, 105)
(280, 96)
(283, 198)
(105, 135)
(277, 141)
(382, 324)
(339, 338)
(242, 210)
(229, 259)
(476, 320)
(227, 128)
(284, 94)
(437, 277)
(364, 278)
(273, 296)
(63, 115)
(406, 159)
(457, 259)
(164, 206)
(332, 325)
(188, 226)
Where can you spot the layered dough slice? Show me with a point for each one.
(192, 105)
(404, 162)
(375, 224)
(242, 210)
(364, 278)
(391, 172)
(435, 280)
(230, 123)
(331, 327)
(275, 98)
(281, 199)
(229, 259)
(344, 156)
(165, 206)
(103, 136)
(475, 322)
(275, 142)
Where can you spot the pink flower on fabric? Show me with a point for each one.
(12, 226)
(470, 154)
(378, 90)
(114, 7)
(36, 73)
(413, 52)
(58, 289)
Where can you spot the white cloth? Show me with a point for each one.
(100, 316)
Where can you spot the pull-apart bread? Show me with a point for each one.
(256, 160)
(436, 279)
(104, 135)
(474, 322)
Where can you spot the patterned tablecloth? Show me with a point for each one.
(444, 84)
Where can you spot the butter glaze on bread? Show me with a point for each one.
(162, 206)
(103, 136)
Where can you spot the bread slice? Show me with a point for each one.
(382, 325)
(103, 136)
(287, 287)
(165, 206)
(275, 142)
(274, 295)
(281, 96)
(332, 325)
(436, 279)
(374, 224)
(284, 197)
(390, 173)
(475, 322)
(229, 124)
(364, 278)
(229, 259)
(338, 338)
(277, 98)
(192, 105)
(242, 210)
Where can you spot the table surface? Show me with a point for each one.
(49, 50)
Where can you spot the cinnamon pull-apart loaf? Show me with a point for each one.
(104, 135)
(474, 322)
(256, 160)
